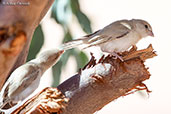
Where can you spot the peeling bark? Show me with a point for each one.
(28, 17)
(97, 84)
(48, 101)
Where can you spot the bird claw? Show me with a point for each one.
(117, 56)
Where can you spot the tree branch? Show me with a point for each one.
(96, 85)
(17, 23)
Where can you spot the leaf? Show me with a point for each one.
(75, 6)
(67, 37)
(56, 69)
(84, 22)
(82, 18)
(36, 43)
(81, 58)
(66, 56)
(61, 11)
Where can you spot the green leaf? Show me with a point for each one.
(82, 18)
(36, 43)
(66, 56)
(75, 6)
(84, 22)
(81, 58)
(67, 37)
(61, 11)
(64, 59)
(56, 71)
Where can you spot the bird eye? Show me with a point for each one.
(146, 26)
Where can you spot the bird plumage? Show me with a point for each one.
(114, 35)
(25, 79)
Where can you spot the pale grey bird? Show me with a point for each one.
(25, 79)
(115, 37)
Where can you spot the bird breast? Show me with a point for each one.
(120, 44)
(28, 91)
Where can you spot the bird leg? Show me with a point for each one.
(117, 56)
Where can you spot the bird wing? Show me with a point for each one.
(21, 83)
(113, 31)
(76, 42)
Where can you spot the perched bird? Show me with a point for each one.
(25, 79)
(115, 37)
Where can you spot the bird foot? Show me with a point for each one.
(117, 56)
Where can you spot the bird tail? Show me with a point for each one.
(1, 105)
(1, 110)
(71, 44)
(6, 111)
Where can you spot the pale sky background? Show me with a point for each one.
(102, 13)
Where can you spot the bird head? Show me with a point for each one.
(143, 28)
(49, 58)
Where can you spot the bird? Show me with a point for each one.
(25, 79)
(114, 38)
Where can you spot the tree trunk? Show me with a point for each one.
(18, 20)
(97, 84)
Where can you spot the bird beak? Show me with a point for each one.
(151, 33)
(61, 52)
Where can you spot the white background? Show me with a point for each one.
(102, 13)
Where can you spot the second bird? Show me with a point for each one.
(25, 79)
(115, 37)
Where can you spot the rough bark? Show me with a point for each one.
(97, 84)
(17, 24)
